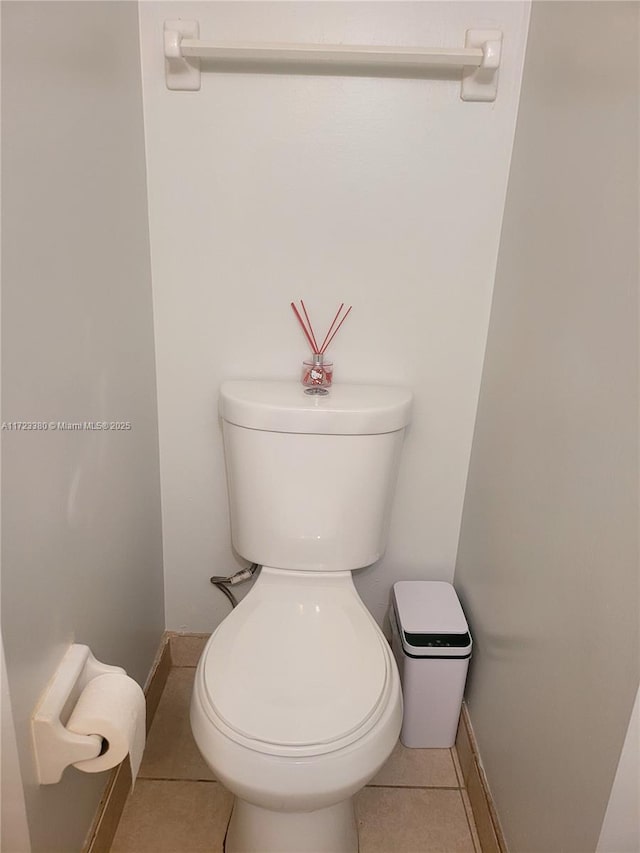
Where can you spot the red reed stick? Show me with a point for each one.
(315, 343)
(337, 328)
(326, 337)
(304, 328)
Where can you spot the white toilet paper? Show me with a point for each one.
(113, 707)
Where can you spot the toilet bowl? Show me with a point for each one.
(296, 705)
(297, 702)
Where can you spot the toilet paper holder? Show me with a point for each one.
(54, 745)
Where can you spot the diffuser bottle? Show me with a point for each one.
(317, 372)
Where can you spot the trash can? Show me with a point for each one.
(432, 646)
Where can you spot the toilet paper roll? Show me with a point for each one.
(113, 707)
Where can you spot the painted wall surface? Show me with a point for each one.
(81, 555)
(620, 831)
(383, 193)
(14, 829)
(548, 560)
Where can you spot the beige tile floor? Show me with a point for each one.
(416, 803)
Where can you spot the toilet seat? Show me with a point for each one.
(298, 668)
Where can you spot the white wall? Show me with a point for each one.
(548, 559)
(81, 541)
(620, 832)
(14, 828)
(384, 193)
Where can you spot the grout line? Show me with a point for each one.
(226, 831)
(174, 779)
(416, 787)
(215, 781)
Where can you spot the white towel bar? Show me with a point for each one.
(479, 59)
(356, 55)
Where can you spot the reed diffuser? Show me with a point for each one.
(317, 371)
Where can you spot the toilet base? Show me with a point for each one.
(253, 829)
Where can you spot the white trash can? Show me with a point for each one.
(432, 646)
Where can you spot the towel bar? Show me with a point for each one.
(479, 59)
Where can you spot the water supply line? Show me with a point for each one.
(223, 583)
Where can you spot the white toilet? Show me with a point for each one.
(297, 701)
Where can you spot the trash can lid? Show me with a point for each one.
(430, 619)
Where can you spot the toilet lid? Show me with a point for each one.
(296, 669)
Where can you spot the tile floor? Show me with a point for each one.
(416, 803)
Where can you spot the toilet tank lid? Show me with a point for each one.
(282, 406)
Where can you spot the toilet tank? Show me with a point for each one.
(311, 478)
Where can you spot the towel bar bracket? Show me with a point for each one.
(481, 83)
(479, 59)
(182, 73)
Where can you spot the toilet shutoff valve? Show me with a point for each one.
(239, 577)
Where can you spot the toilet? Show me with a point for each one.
(296, 702)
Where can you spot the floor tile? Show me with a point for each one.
(428, 768)
(187, 648)
(412, 820)
(171, 752)
(413, 805)
(174, 817)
